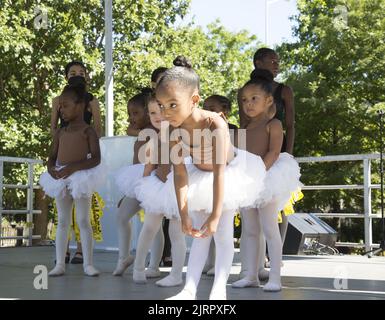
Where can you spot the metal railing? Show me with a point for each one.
(367, 186)
(29, 211)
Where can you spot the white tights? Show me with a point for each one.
(247, 241)
(64, 207)
(253, 221)
(224, 249)
(152, 225)
(127, 209)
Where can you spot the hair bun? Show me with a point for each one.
(146, 90)
(261, 74)
(182, 61)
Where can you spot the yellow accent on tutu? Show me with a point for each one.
(289, 208)
(96, 212)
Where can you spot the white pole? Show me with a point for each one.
(109, 79)
(266, 23)
(267, 3)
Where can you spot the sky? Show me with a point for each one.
(236, 15)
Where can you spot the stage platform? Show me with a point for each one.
(303, 278)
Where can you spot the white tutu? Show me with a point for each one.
(81, 184)
(157, 197)
(243, 182)
(127, 178)
(281, 180)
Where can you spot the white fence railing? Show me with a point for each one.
(29, 211)
(367, 187)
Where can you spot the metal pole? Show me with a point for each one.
(109, 70)
(367, 205)
(380, 114)
(30, 203)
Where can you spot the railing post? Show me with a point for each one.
(1, 197)
(30, 203)
(368, 205)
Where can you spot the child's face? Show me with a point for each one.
(155, 114)
(176, 102)
(69, 110)
(214, 106)
(269, 62)
(76, 70)
(255, 101)
(137, 116)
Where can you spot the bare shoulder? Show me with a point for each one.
(287, 91)
(94, 103)
(274, 125)
(90, 131)
(216, 120)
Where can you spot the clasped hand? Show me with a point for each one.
(207, 229)
(62, 173)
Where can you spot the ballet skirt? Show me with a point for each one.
(127, 178)
(243, 183)
(282, 180)
(80, 184)
(157, 197)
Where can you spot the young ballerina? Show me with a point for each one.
(74, 171)
(219, 104)
(76, 74)
(268, 59)
(218, 180)
(152, 194)
(264, 137)
(126, 179)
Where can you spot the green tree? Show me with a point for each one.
(336, 68)
(33, 55)
(32, 62)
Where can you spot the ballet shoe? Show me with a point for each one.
(153, 273)
(91, 271)
(246, 283)
(58, 271)
(272, 287)
(122, 265)
(218, 295)
(139, 277)
(169, 281)
(183, 295)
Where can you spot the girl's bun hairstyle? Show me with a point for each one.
(182, 73)
(261, 74)
(262, 78)
(182, 61)
(146, 90)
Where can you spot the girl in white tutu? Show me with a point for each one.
(153, 194)
(264, 137)
(126, 180)
(74, 172)
(217, 181)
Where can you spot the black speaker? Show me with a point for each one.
(304, 228)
